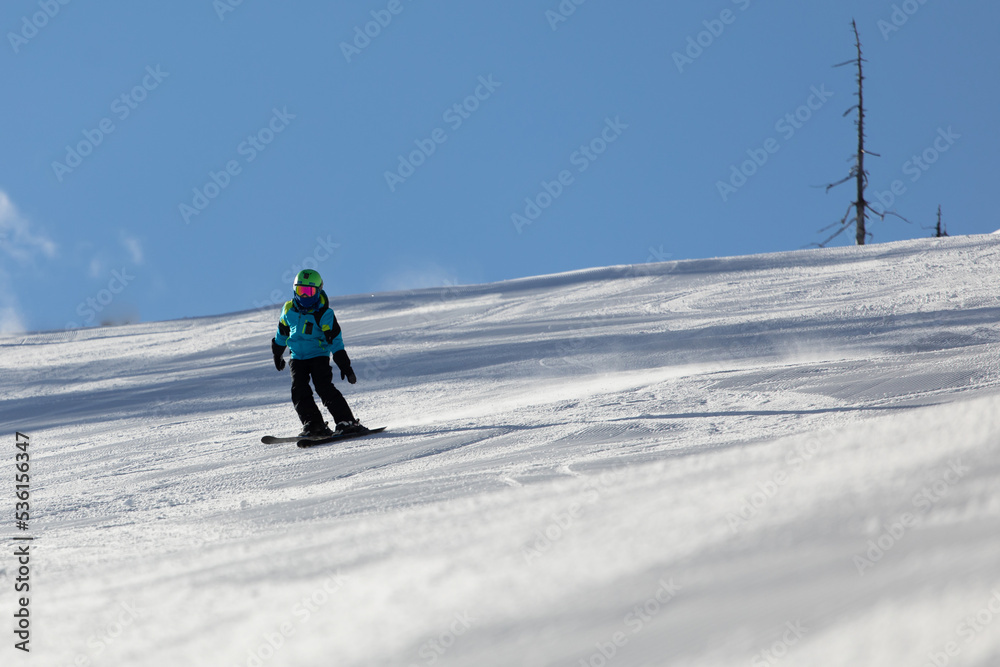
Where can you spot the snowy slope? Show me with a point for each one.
(781, 459)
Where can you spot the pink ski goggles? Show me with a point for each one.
(306, 290)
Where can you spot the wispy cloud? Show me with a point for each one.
(20, 245)
(96, 267)
(103, 261)
(17, 240)
(11, 320)
(134, 248)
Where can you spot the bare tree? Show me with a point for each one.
(940, 230)
(860, 205)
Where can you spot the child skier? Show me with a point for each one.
(308, 326)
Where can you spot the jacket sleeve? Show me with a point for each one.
(331, 332)
(331, 329)
(281, 338)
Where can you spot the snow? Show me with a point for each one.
(777, 459)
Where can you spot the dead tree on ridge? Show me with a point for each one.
(940, 230)
(860, 205)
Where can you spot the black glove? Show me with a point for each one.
(277, 351)
(344, 364)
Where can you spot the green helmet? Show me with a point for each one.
(308, 285)
(309, 277)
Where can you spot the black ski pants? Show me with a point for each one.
(319, 370)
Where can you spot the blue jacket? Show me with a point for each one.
(309, 334)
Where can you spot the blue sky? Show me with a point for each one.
(164, 160)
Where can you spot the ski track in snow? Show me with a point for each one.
(700, 463)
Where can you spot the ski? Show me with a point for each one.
(312, 442)
(273, 440)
